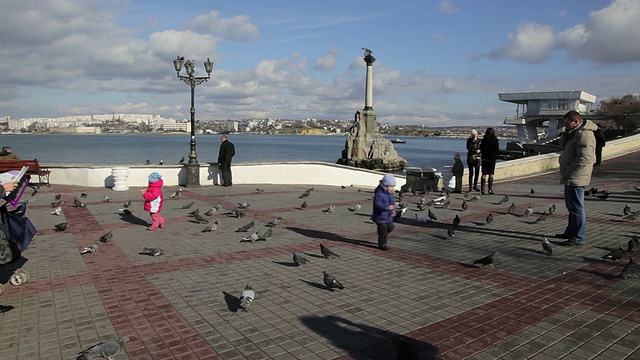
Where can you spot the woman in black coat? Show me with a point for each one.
(489, 148)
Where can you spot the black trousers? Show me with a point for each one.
(383, 232)
(225, 169)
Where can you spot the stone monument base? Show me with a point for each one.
(378, 164)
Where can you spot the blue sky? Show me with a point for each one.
(439, 63)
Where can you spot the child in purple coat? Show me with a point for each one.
(384, 209)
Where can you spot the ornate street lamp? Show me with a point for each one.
(193, 168)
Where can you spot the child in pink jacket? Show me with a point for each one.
(153, 200)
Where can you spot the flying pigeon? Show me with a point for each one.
(615, 254)
(57, 197)
(304, 205)
(546, 247)
(106, 237)
(266, 235)
(106, 199)
(253, 237)
(632, 269)
(464, 205)
(57, 211)
(105, 350)
(246, 296)
(299, 259)
(451, 232)
(487, 260)
(199, 219)
(90, 249)
(78, 203)
(355, 208)
(328, 253)
(331, 282)
(246, 228)
(511, 208)
(243, 205)
(210, 212)
(456, 220)
(626, 210)
(84, 195)
(432, 216)
(188, 206)
(275, 222)
(61, 227)
(489, 218)
(194, 212)
(181, 160)
(127, 204)
(552, 209)
(542, 218)
(153, 251)
(528, 211)
(211, 228)
(504, 199)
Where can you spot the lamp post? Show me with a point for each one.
(193, 168)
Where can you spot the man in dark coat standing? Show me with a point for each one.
(227, 151)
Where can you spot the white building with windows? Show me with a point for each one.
(544, 109)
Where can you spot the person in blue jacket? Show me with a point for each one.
(384, 209)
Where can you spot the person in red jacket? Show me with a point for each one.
(153, 200)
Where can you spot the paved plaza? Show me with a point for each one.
(421, 296)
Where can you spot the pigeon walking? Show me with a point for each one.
(633, 243)
(456, 220)
(246, 228)
(200, 220)
(331, 282)
(504, 199)
(243, 205)
(79, 204)
(275, 222)
(194, 213)
(84, 195)
(552, 209)
(127, 204)
(328, 253)
(299, 259)
(211, 228)
(528, 211)
(304, 205)
(546, 247)
(542, 218)
(106, 237)
(329, 210)
(512, 208)
(259, 191)
(615, 254)
(355, 208)
(57, 197)
(106, 199)
(532, 191)
(626, 210)
(305, 194)
(90, 249)
(57, 211)
(431, 215)
(253, 237)
(210, 212)
(451, 231)
(266, 235)
(485, 261)
(105, 350)
(61, 227)
(246, 296)
(153, 251)
(489, 218)
(188, 206)
(464, 205)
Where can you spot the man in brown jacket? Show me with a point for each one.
(576, 164)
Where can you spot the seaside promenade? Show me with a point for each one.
(423, 292)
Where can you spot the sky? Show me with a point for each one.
(438, 62)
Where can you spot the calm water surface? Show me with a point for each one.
(137, 148)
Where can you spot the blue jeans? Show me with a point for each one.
(574, 201)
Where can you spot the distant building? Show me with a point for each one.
(177, 126)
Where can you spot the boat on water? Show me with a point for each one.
(398, 141)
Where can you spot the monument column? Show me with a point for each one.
(368, 99)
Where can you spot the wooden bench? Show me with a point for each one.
(34, 169)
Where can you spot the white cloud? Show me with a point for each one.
(446, 6)
(236, 28)
(327, 62)
(530, 44)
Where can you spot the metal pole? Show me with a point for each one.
(193, 168)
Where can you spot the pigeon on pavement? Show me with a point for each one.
(504, 199)
(106, 237)
(153, 251)
(633, 243)
(105, 350)
(127, 204)
(299, 259)
(211, 228)
(243, 205)
(57, 211)
(329, 210)
(266, 235)
(632, 269)
(355, 208)
(432, 216)
(328, 253)
(210, 212)
(246, 296)
(188, 206)
(61, 227)
(542, 218)
(194, 213)
(615, 254)
(528, 211)
(489, 218)
(456, 220)
(106, 199)
(84, 195)
(246, 228)
(546, 247)
(79, 204)
(200, 220)
(305, 194)
(451, 231)
(552, 209)
(485, 261)
(253, 237)
(275, 222)
(532, 191)
(304, 205)
(512, 208)
(58, 196)
(331, 282)
(90, 249)
(464, 205)
(626, 210)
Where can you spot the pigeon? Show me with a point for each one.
(127, 204)
(528, 211)
(423, 200)
(266, 235)
(305, 194)
(446, 204)
(546, 247)
(57, 197)
(253, 237)
(106, 237)
(200, 220)
(246, 296)
(153, 251)
(304, 205)
(79, 204)
(328, 253)
(464, 205)
(211, 228)
(626, 210)
(331, 282)
(474, 198)
(420, 218)
(552, 209)
(210, 212)
(259, 191)
(84, 195)
(632, 269)
(615, 254)
(355, 208)
(188, 206)
(61, 227)
(637, 188)
(105, 350)
(632, 216)
(401, 211)
(532, 191)
(511, 208)
(126, 212)
(160, 162)
(238, 213)
(422, 207)
(194, 213)
(90, 249)
(542, 218)
(299, 259)
(504, 199)
(485, 261)
(106, 199)
(489, 218)
(604, 196)
(275, 222)
(633, 243)
(57, 211)
(181, 160)
(456, 220)
(243, 205)
(57, 203)
(246, 228)
(432, 216)
(451, 232)
(176, 194)
(329, 210)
